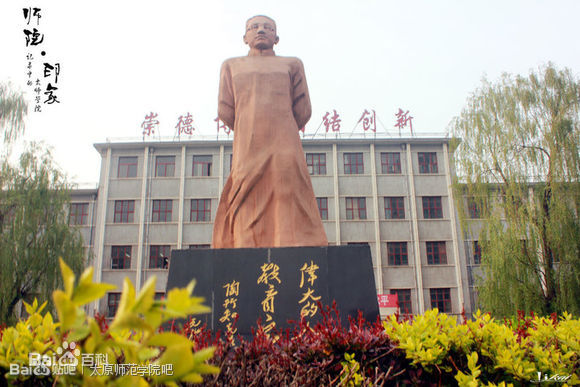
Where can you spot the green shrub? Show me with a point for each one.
(133, 346)
(430, 350)
(485, 351)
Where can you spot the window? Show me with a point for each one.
(441, 299)
(394, 208)
(113, 300)
(202, 165)
(127, 167)
(427, 162)
(397, 253)
(79, 213)
(200, 246)
(120, 257)
(404, 299)
(323, 207)
(316, 163)
(124, 211)
(476, 253)
(390, 162)
(159, 257)
(356, 208)
(162, 210)
(200, 210)
(436, 253)
(353, 164)
(165, 166)
(432, 207)
(474, 208)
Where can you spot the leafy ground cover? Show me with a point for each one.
(430, 350)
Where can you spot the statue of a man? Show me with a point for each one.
(268, 200)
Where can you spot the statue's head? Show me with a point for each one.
(261, 32)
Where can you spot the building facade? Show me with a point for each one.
(393, 194)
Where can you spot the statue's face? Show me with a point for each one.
(260, 33)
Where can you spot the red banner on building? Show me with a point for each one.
(388, 300)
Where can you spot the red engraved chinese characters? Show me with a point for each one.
(150, 124)
(185, 125)
(402, 119)
(221, 125)
(368, 120)
(332, 122)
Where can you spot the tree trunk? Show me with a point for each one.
(547, 253)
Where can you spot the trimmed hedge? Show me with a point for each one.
(430, 350)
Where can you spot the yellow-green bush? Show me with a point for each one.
(485, 351)
(431, 349)
(133, 338)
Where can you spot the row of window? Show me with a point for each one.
(124, 211)
(158, 256)
(396, 251)
(436, 253)
(113, 300)
(354, 163)
(316, 162)
(398, 255)
(440, 299)
(201, 209)
(164, 166)
(356, 207)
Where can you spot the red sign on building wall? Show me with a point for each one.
(388, 300)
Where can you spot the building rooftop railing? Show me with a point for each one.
(84, 185)
(305, 136)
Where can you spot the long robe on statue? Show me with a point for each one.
(268, 200)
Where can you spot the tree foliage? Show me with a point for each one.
(34, 228)
(135, 340)
(13, 109)
(518, 164)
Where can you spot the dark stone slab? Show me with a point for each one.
(276, 285)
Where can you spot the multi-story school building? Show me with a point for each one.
(391, 193)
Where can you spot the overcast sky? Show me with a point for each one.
(121, 60)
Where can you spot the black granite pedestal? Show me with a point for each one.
(276, 285)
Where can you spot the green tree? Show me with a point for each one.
(518, 165)
(34, 229)
(13, 109)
